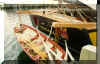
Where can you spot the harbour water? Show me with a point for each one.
(12, 48)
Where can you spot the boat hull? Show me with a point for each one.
(34, 44)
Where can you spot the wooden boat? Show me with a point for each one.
(37, 45)
(61, 21)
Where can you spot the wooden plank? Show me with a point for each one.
(88, 26)
(61, 19)
(54, 16)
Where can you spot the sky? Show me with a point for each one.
(41, 1)
(29, 1)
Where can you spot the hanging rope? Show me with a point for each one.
(67, 51)
(19, 17)
(84, 20)
(50, 32)
(71, 14)
(86, 15)
(48, 50)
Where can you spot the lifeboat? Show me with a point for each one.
(37, 45)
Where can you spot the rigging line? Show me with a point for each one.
(71, 13)
(86, 15)
(83, 13)
(53, 52)
(67, 51)
(46, 49)
(64, 11)
(19, 17)
(85, 21)
(50, 32)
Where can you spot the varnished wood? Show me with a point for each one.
(61, 19)
(54, 16)
(88, 26)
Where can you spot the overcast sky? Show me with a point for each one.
(43, 1)
(29, 1)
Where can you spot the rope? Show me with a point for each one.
(50, 32)
(85, 21)
(46, 48)
(86, 15)
(50, 57)
(19, 17)
(67, 51)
